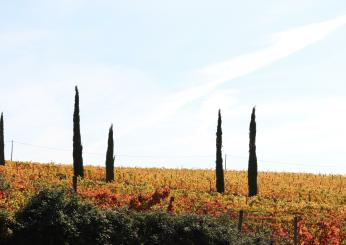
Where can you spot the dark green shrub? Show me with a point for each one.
(59, 217)
(44, 220)
(124, 227)
(155, 228)
(201, 230)
(162, 228)
(92, 225)
(6, 226)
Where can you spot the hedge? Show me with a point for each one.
(60, 217)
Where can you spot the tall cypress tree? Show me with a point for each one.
(220, 183)
(77, 142)
(110, 156)
(252, 168)
(2, 142)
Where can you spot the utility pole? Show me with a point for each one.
(225, 161)
(11, 150)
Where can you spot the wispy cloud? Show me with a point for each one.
(282, 45)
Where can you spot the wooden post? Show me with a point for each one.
(225, 161)
(240, 220)
(74, 183)
(295, 224)
(11, 150)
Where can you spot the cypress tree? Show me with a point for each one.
(77, 143)
(252, 168)
(220, 183)
(110, 156)
(2, 142)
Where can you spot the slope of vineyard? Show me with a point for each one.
(319, 201)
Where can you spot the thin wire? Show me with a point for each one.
(167, 156)
(53, 148)
(286, 163)
(176, 156)
(43, 147)
(120, 155)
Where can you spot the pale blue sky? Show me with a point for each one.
(159, 70)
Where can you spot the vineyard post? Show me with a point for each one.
(295, 230)
(74, 183)
(240, 220)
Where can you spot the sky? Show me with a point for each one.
(160, 70)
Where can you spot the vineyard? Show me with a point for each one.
(317, 201)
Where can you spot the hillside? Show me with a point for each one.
(318, 201)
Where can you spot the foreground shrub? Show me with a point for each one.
(163, 228)
(6, 225)
(157, 228)
(60, 217)
(124, 227)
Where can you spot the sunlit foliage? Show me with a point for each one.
(318, 200)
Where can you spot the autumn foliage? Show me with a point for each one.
(318, 200)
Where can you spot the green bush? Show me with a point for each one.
(6, 225)
(163, 228)
(60, 217)
(154, 228)
(124, 227)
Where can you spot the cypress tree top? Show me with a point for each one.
(110, 156)
(77, 142)
(252, 168)
(253, 127)
(220, 185)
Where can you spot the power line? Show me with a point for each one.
(166, 156)
(172, 156)
(53, 148)
(120, 155)
(286, 163)
(43, 147)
